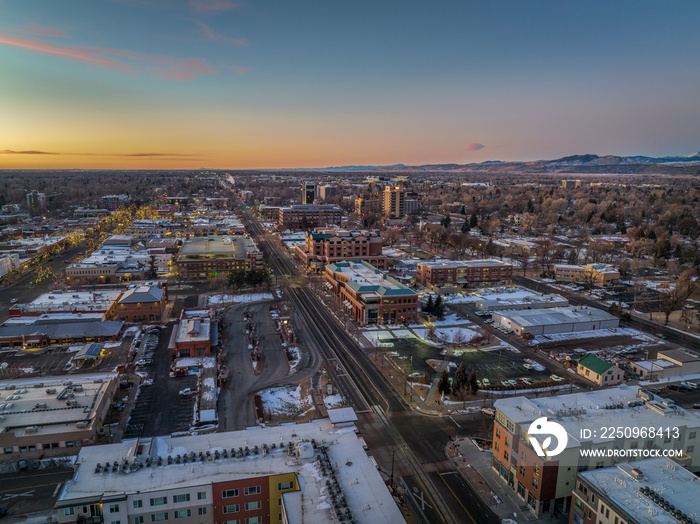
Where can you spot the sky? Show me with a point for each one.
(262, 84)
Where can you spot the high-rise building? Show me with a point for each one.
(393, 202)
(36, 202)
(308, 193)
(327, 191)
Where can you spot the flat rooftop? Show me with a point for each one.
(451, 264)
(217, 246)
(595, 409)
(675, 484)
(365, 278)
(194, 330)
(555, 315)
(71, 301)
(41, 404)
(365, 491)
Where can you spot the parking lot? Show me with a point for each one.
(158, 409)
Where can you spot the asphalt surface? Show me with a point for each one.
(236, 401)
(30, 491)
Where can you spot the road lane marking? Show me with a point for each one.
(58, 486)
(457, 499)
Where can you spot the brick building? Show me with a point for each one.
(324, 246)
(369, 295)
(142, 304)
(306, 216)
(455, 274)
(201, 258)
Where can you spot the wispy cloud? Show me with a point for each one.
(36, 30)
(474, 146)
(169, 68)
(208, 6)
(35, 152)
(30, 152)
(215, 36)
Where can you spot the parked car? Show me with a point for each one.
(696, 406)
(14, 301)
(691, 385)
(22, 465)
(143, 362)
(556, 378)
(655, 391)
(678, 387)
(187, 392)
(489, 412)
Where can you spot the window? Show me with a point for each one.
(537, 469)
(68, 511)
(114, 508)
(249, 506)
(253, 520)
(690, 449)
(232, 508)
(201, 511)
(234, 521)
(138, 520)
(159, 501)
(523, 457)
(535, 483)
(183, 513)
(138, 503)
(285, 485)
(157, 517)
(522, 471)
(8, 450)
(507, 441)
(252, 490)
(181, 498)
(505, 455)
(691, 434)
(116, 522)
(202, 495)
(227, 493)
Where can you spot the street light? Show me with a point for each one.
(392, 466)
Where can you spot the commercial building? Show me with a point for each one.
(570, 184)
(370, 296)
(545, 483)
(599, 371)
(69, 306)
(269, 213)
(313, 473)
(326, 192)
(450, 276)
(411, 205)
(201, 258)
(600, 274)
(519, 300)
(668, 364)
(555, 320)
(142, 304)
(49, 333)
(308, 193)
(650, 491)
(393, 202)
(53, 416)
(324, 246)
(195, 335)
(115, 201)
(306, 216)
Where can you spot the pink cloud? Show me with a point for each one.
(176, 68)
(36, 30)
(77, 53)
(212, 5)
(215, 36)
(474, 146)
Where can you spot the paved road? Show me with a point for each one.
(30, 491)
(236, 408)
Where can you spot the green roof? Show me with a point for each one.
(595, 364)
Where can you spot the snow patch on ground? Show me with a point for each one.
(332, 401)
(286, 401)
(249, 297)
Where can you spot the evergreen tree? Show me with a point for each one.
(473, 383)
(465, 226)
(236, 279)
(460, 378)
(463, 211)
(443, 385)
(429, 306)
(152, 269)
(439, 308)
(473, 221)
(446, 221)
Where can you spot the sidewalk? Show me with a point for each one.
(475, 467)
(40, 517)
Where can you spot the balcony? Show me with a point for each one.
(82, 519)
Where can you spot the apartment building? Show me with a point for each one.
(602, 274)
(394, 198)
(372, 205)
(650, 491)
(308, 192)
(545, 483)
(369, 295)
(450, 276)
(241, 476)
(323, 246)
(309, 216)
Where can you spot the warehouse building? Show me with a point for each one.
(668, 364)
(554, 320)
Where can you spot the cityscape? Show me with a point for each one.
(349, 264)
